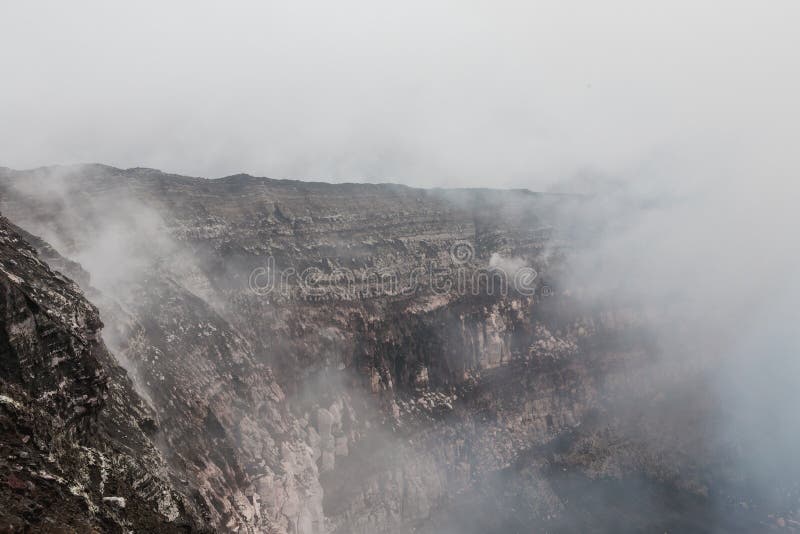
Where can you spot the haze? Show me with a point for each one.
(678, 120)
(533, 94)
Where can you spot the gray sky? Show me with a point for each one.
(495, 93)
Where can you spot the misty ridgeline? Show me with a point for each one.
(527, 269)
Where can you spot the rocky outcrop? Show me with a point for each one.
(227, 425)
(372, 358)
(75, 439)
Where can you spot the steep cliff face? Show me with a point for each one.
(76, 440)
(372, 358)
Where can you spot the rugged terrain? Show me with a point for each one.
(77, 453)
(312, 358)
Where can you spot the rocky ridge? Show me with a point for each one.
(338, 401)
(76, 448)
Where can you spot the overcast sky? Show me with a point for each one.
(421, 92)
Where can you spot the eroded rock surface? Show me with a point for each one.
(76, 450)
(341, 358)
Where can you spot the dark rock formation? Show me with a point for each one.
(357, 358)
(75, 439)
